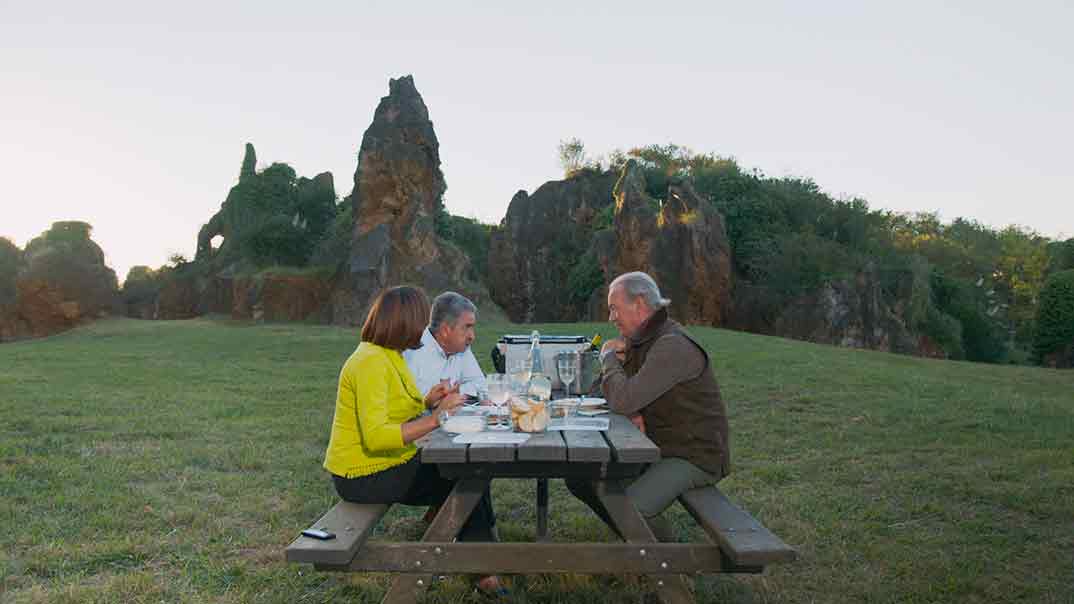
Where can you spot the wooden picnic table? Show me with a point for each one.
(738, 542)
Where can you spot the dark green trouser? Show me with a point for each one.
(652, 492)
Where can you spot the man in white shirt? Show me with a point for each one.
(445, 347)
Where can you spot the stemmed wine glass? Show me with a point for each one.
(567, 365)
(499, 391)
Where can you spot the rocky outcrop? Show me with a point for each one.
(282, 298)
(273, 203)
(540, 241)
(849, 312)
(680, 241)
(398, 190)
(61, 280)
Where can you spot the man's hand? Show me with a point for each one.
(616, 345)
(638, 421)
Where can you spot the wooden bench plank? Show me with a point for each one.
(436, 447)
(351, 522)
(628, 444)
(586, 445)
(546, 446)
(745, 540)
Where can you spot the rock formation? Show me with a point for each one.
(271, 201)
(539, 257)
(540, 241)
(61, 281)
(268, 218)
(850, 312)
(398, 190)
(680, 241)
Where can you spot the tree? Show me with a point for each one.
(1055, 316)
(10, 262)
(572, 156)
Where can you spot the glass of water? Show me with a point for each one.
(499, 392)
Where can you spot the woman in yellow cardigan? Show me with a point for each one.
(379, 414)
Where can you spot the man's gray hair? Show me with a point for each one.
(637, 284)
(447, 308)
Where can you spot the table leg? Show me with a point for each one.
(453, 514)
(542, 509)
(671, 588)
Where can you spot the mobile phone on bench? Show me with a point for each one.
(321, 534)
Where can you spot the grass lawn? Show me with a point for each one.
(174, 461)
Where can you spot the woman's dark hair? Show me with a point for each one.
(397, 318)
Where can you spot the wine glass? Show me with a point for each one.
(499, 392)
(567, 366)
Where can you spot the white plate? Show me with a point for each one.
(592, 401)
(591, 412)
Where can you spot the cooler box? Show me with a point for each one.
(518, 347)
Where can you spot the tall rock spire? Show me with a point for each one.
(398, 191)
(249, 163)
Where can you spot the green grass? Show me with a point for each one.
(173, 462)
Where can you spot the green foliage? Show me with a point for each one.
(584, 278)
(572, 157)
(142, 284)
(10, 263)
(1061, 255)
(983, 338)
(945, 331)
(471, 235)
(68, 231)
(335, 245)
(277, 240)
(1055, 315)
(802, 262)
(69, 260)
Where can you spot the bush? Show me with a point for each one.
(584, 278)
(278, 241)
(472, 236)
(803, 262)
(1055, 315)
(983, 338)
(334, 247)
(10, 262)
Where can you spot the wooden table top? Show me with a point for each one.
(622, 443)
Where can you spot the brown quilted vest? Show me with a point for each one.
(690, 420)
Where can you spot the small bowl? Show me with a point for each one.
(564, 408)
(464, 424)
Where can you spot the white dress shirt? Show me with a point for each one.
(430, 364)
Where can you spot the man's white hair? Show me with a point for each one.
(637, 284)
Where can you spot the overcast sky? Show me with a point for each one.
(133, 116)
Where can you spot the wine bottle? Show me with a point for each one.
(594, 345)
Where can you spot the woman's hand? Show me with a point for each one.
(450, 401)
(438, 392)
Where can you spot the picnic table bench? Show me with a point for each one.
(739, 543)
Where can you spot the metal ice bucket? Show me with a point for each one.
(588, 373)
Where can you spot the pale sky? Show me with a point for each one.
(132, 116)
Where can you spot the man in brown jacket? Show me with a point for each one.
(662, 378)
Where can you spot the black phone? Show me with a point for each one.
(321, 534)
